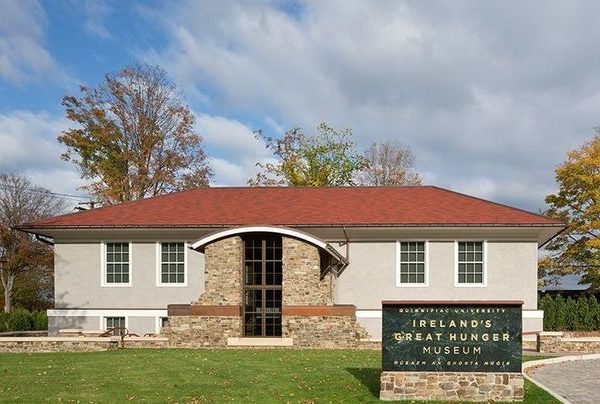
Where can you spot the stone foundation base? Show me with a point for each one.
(324, 331)
(201, 331)
(452, 386)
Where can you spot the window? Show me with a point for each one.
(470, 268)
(115, 322)
(411, 263)
(117, 264)
(171, 264)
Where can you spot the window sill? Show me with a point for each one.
(470, 285)
(116, 285)
(412, 285)
(171, 285)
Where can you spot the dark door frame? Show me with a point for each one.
(263, 287)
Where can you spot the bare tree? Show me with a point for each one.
(134, 137)
(20, 202)
(389, 164)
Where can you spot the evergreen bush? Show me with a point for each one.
(20, 320)
(40, 321)
(4, 321)
(579, 314)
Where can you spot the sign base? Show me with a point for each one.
(452, 386)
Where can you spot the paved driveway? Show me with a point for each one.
(577, 381)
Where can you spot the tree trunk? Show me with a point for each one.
(8, 281)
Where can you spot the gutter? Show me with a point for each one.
(43, 239)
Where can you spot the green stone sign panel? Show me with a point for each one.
(450, 337)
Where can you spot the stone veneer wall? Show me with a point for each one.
(324, 331)
(302, 284)
(223, 273)
(558, 342)
(202, 331)
(451, 386)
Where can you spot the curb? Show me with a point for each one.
(559, 359)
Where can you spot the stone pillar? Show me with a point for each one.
(316, 322)
(223, 273)
(302, 284)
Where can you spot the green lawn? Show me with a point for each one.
(179, 375)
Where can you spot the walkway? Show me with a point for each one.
(577, 381)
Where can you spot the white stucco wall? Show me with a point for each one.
(78, 275)
(371, 278)
(511, 269)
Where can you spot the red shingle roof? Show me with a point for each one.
(350, 206)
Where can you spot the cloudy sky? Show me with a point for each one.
(489, 95)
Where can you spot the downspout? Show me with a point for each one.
(347, 243)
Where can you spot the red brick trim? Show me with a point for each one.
(199, 310)
(236, 311)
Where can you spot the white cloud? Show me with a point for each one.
(237, 147)
(490, 95)
(29, 147)
(95, 14)
(23, 54)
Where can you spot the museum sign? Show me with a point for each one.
(452, 336)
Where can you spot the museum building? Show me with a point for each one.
(305, 267)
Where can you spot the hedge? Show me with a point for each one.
(560, 314)
(23, 320)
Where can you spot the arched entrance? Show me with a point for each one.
(262, 272)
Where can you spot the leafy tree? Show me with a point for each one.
(389, 164)
(325, 159)
(577, 202)
(134, 137)
(20, 202)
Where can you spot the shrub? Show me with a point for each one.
(547, 305)
(594, 313)
(580, 314)
(20, 320)
(4, 321)
(40, 321)
(560, 316)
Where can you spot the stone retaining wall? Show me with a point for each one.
(451, 386)
(57, 344)
(75, 344)
(559, 342)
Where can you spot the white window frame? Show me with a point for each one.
(412, 285)
(103, 264)
(103, 320)
(485, 261)
(157, 326)
(159, 282)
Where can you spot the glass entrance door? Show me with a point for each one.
(263, 275)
